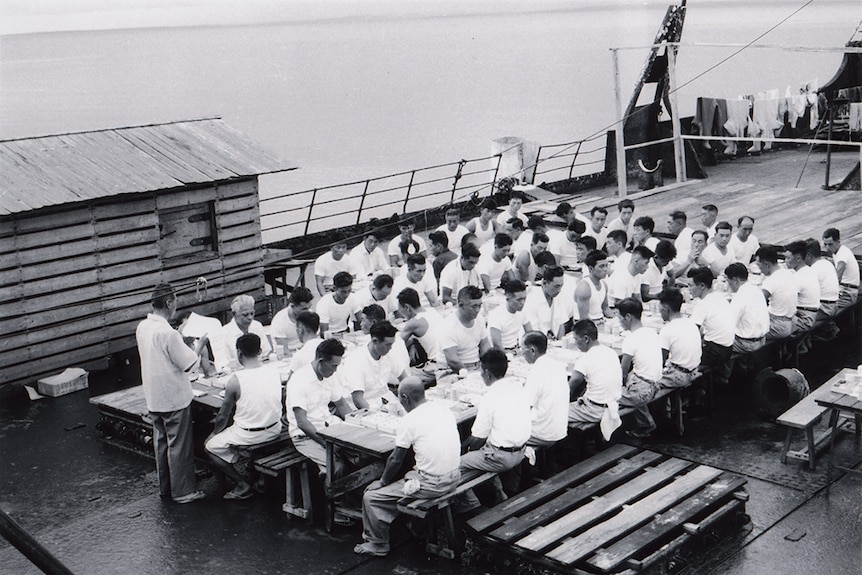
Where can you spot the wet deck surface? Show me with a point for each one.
(97, 507)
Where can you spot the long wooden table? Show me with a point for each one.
(838, 402)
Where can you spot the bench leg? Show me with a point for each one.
(786, 445)
(812, 451)
(676, 410)
(442, 548)
(298, 497)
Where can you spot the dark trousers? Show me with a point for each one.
(717, 359)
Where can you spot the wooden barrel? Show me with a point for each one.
(777, 391)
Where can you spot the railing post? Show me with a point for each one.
(362, 202)
(310, 209)
(407, 195)
(497, 171)
(575, 159)
(622, 185)
(461, 165)
(678, 144)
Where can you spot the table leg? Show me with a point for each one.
(330, 501)
(833, 425)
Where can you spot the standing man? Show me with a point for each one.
(547, 388)
(255, 393)
(460, 273)
(708, 217)
(719, 254)
(506, 322)
(165, 363)
(846, 267)
(224, 348)
(780, 292)
(367, 258)
(712, 313)
(591, 295)
(429, 429)
(807, 286)
(330, 263)
(744, 243)
(465, 335)
(283, 326)
(454, 230)
(748, 310)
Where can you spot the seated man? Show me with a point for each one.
(495, 267)
(465, 334)
(547, 387)
(405, 244)
(367, 258)
(596, 228)
(453, 230)
(747, 309)
(309, 393)
(516, 200)
(676, 226)
(680, 342)
(694, 258)
(506, 322)
(562, 244)
(429, 429)
(378, 293)
(421, 330)
(708, 218)
(596, 382)
(224, 344)
(547, 311)
(641, 364)
(713, 315)
(370, 369)
(460, 273)
(807, 286)
(337, 308)
(719, 254)
(485, 224)
(417, 278)
(525, 262)
(307, 330)
(591, 295)
(255, 392)
(615, 247)
(283, 326)
(658, 274)
(780, 293)
(846, 267)
(642, 231)
(623, 221)
(330, 263)
(441, 252)
(501, 429)
(744, 243)
(827, 277)
(625, 282)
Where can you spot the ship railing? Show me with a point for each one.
(556, 162)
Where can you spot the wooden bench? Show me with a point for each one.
(297, 480)
(805, 415)
(427, 509)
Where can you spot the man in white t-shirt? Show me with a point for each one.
(562, 244)
(453, 230)
(680, 342)
(615, 246)
(369, 369)
(485, 224)
(547, 311)
(719, 254)
(748, 309)
(744, 243)
(516, 200)
(807, 286)
(465, 334)
(780, 292)
(694, 259)
(846, 267)
(827, 277)
(641, 363)
(596, 228)
(430, 430)
(596, 381)
(708, 219)
(307, 328)
(283, 325)
(501, 429)
(642, 231)
(496, 265)
(623, 221)
(626, 280)
(405, 244)
(330, 263)
(422, 327)
(676, 225)
(547, 387)
(377, 292)
(367, 258)
(658, 273)
(459, 274)
(417, 278)
(712, 313)
(337, 308)
(224, 343)
(506, 322)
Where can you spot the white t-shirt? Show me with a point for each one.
(454, 237)
(364, 298)
(601, 368)
(828, 279)
(494, 270)
(305, 354)
(544, 317)
(851, 266)
(426, 285)
(430, 342)
(653, 277)
(601, 235)
(714, 315)
(782, 292)
(547, 387)
(644, 346)
(505, 216)
(563, 250)
(313, 395)
(283, 327)
(464, 339)
(336, 315)
(327, 266)
(394, 248)
(430, 429)
(224, 346)
(368, 264)
(455, 277)
(622, 284)
(361, 372)
(511, 325)
(718, 261)
(617, 224)
(681, 338)
(682, 243)
(620, 261)
(749, 311)
(503, 417)
(807, 288)
(744, 251)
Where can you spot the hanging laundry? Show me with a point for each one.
(737, 122)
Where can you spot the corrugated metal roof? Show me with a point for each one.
(54, 170)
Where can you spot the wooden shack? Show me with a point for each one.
(91, 221)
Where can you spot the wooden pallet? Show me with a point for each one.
(623, 509)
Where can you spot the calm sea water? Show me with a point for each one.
(355, 98)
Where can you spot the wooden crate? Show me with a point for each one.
(622, 510)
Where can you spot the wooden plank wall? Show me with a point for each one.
(75, 283)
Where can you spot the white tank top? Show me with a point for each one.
(429, 340)
(597, 296)
(259, 402)
(484, 235)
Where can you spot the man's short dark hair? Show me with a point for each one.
(516, 223)
(563, 209)
(495, 361)
(342, 280)
(382, 281)
(797, 248)
(767, 254)
(623, 204)
(672, 298)
(619, 236)
(470, 251)
(643, 252)
(453, 212)
(329, 348)
(300, 294)
(678, 216)
(553, 273)
(248, 344)
(577, 226)
(813, 248)
(594, 257)
(665, 250)
(540, 237)
(588, 242)
(338, 238)
(514, 286)
(439, 237)
(516, 195)
(832, 234)
(374, 312)
(488, 204)
(502, 240)
(310, 320)
(534, 222)
(738, 271)
(162, 294)
(536, 339)
(630, 306)
(586, 327)
(646, 223)
(469, 293)
(409, 296)
(382, 330)
(723, 225)
(468, 238)
(544, 259)
(701, 233)
(701, 276)
(710, 208)
(742, 219)
(414, 260)
(598, 209)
